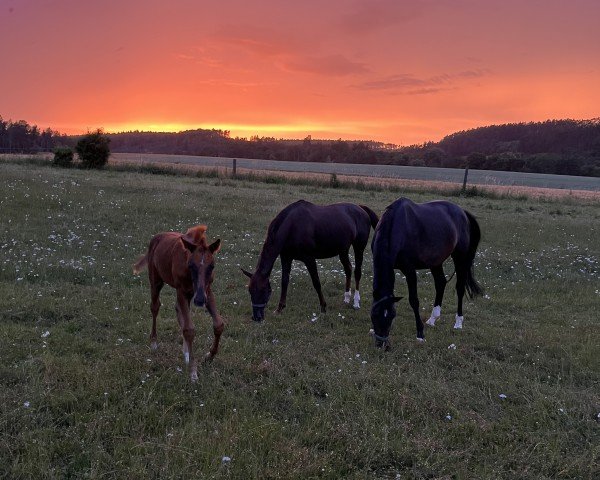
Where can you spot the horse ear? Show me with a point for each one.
(215, 246)
(396, 299)
(245, 272)
(188, 242)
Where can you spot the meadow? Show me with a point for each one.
(516, 394)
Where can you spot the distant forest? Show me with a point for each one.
(564, 147)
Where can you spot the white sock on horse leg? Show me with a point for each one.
(435, 314)
(347, 296)
(356, 299)
(459, 322)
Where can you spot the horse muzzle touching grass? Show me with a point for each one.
(383, 312)
(260, 293)
(185, 262)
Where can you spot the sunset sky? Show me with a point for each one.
(389, 70)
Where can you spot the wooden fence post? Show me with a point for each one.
(464, 187)
(234, 172)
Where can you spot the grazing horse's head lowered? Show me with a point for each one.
(260, 293)
(383, 312)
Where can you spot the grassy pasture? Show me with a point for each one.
(82, 394)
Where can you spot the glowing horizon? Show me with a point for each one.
(394, 71)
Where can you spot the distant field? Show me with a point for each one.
(451, 175)
(82, 394)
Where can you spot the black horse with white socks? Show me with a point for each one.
(411, 237)
(306, 232)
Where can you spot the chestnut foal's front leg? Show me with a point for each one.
(218, 325)
(188, 331)
(155, 287)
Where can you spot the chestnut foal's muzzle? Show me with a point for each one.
(199, 298)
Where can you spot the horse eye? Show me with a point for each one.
(385, 314)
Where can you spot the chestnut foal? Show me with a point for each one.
(186, 263)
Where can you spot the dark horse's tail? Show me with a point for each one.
(372, 215)
(472, 287)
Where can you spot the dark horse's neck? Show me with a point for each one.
(383, 277)
(268, 255)
(383, 260)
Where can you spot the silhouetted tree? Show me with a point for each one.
(93, 150)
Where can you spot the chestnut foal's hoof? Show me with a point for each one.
(208, 357)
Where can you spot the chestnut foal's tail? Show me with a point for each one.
(140, 265)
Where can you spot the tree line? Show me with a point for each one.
(566, 147)
(20, 137)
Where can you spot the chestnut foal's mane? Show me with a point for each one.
(196, 235)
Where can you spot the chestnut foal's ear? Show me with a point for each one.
(245, 272)
(188, 242)
(215, 246)
(396, 299)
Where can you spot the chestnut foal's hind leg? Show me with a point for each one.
(188, 331)
(156, 286)
(218, 325)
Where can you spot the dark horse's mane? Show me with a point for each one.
(276, 223)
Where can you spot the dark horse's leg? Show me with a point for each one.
(286, 267)
(311, 266)
(358, 260)
(440, 285)
(413, 299)
(156, 285)
(188, 330)
(462, 269)
(345, 259)
(218, 325)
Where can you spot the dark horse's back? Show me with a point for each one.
(424, 235)
(323, 231)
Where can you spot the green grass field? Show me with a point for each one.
(83, 396)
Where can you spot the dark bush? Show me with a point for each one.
(63, 157)
(93, 150)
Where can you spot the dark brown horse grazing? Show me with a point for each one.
(304, 231)
(411, 237)
(185, 262)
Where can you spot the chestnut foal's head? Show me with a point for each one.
(201, 261)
